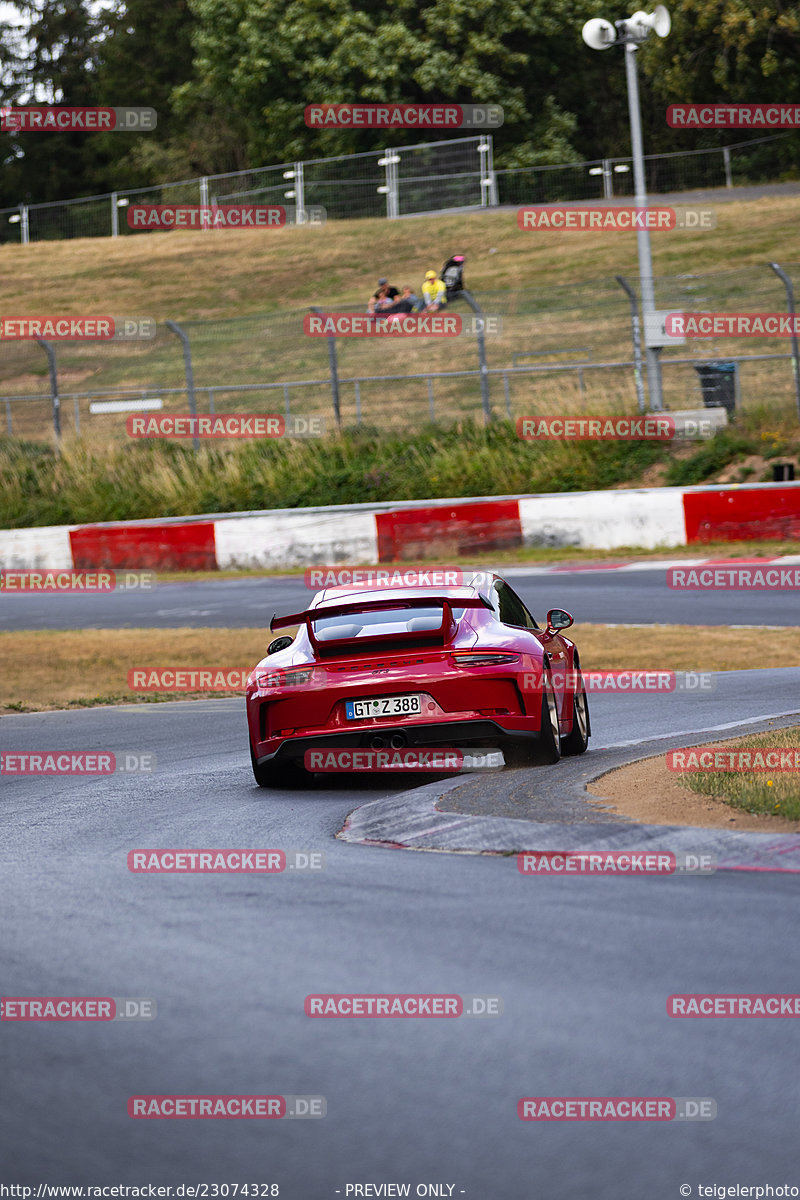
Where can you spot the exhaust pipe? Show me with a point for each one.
(397, 741)
(376, 742)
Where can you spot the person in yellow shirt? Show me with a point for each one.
(434, 293)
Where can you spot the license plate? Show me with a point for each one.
(388, 706)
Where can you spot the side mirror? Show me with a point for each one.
(557, 619)
(280, 643)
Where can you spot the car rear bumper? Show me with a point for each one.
(430, 734)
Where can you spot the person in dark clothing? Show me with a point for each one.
(406, 304)
(385, 295)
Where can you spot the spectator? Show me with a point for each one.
(434, 293)
(406, 304)
(385, 295)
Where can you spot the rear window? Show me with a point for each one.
(381, 623)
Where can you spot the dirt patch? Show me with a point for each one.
(647, 792)
(749, 470)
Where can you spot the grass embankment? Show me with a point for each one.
(195, 276)
(776, 793)
(648, 791)
(555, 291)
(74, 669)
(90, 482)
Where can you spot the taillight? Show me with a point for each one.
(482, 658)
(279, 679)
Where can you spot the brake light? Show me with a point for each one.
(482, 658)
(279, 679)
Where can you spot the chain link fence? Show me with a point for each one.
(428, 177)
(565, 348)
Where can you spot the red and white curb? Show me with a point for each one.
(644, 518)
(411, 820)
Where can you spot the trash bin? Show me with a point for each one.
(718, 382)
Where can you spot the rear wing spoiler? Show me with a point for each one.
(443, 632)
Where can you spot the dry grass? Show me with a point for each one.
(52, 669)
(558, 291)
(757, 801)
(773, 793)
(45, 669)
(232, 273)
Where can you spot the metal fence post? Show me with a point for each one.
(726, 159)
(332, 360)
(476, 308)
(114, 215)
(488, 177)
(390, 187)
(299, 193)
(50, 351)
(204, 201)
(787, 283)
(187, 363)
(24, 225)
(608, 180)
(637, 341)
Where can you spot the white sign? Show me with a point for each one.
(116, 406)
(655, 330)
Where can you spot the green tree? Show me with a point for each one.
(50, 58)
(266, 60)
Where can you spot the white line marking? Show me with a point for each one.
(660, 737)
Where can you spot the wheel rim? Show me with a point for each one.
(552, 708)
(582, 714)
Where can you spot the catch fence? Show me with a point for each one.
(562, 349)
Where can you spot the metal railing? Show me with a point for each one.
(286, 389)
(457, 173)
(444, 378)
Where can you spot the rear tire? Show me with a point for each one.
(546, 750)
(277, 774)
(577, 740)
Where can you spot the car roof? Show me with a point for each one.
(356, 594)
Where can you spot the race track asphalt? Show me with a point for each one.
(612, 596)
(584, 967)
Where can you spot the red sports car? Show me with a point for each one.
(461, 666)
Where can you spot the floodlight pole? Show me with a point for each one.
(642, 235)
